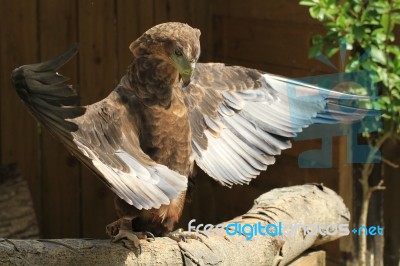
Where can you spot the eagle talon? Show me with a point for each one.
(128, 238)
(153, 238)
(180, 235)
(131, 240)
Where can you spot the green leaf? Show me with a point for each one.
(314, 12)
(341, 21)
(317, 39)
(385, 99)
(378, 55)
(379, 35)
(315, 50)
(357, 8)
(331, 51)
(307, 3)
(381, 7)
(358, 32)
(331, 3)
(395, 18)
(386, 23)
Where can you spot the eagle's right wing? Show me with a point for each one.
(104, 136)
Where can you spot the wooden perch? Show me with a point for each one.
(307, 204)
(17, 216)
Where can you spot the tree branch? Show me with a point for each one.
(306, 205)
(390, 163)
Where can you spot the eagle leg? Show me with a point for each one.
(121, 231)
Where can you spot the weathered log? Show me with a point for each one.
(17, 216)
(305, 205)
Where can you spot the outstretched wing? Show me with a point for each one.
(104, 136)
(241, 118)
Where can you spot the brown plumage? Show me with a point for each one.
(168, 112)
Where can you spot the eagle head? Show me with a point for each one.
(175, 43)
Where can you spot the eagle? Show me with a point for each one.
(169, 112)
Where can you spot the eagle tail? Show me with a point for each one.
(44, 92)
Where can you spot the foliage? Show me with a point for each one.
(366, 27)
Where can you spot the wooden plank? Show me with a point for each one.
(390, 151)
(283, 11)
(180, 11)
(18, 46)
(200, 17)
(97, 78)
(283, 44)
(173, 10)
(61, 171)
(162, 11)
(293, 72)
(286, 171)
(287, 71)
(127, 32)
(146, 15)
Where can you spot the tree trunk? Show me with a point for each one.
(305, 205)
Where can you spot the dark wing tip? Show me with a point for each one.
(45, 93)
(50, 65)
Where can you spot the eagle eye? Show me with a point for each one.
(178, 52)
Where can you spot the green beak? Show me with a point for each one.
(185, 68)
(186, 74)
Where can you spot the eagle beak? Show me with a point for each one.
(186, 74)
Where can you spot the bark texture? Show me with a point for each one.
(307, 204)
(17, 216)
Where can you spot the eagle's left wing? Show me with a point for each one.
(241, 118)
